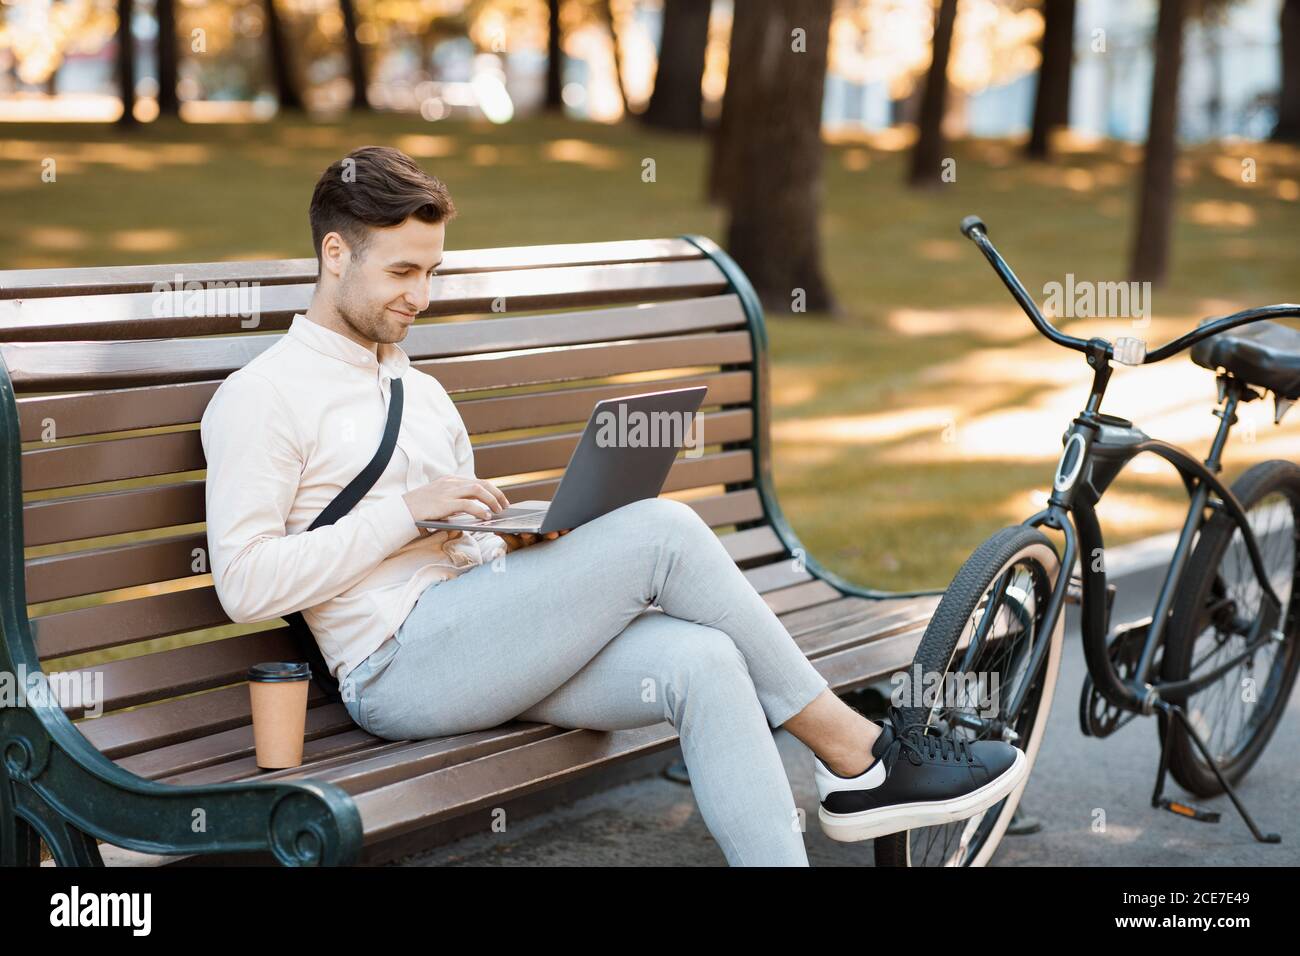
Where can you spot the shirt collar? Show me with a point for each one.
(333, 344)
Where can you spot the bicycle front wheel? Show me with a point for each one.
(1216, 604)
(975, 654)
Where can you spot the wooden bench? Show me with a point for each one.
(103, 553)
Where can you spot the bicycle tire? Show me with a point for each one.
(1189, 618)
(1007, 549)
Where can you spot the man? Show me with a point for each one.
(644, 616)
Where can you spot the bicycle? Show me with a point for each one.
(1230, 597)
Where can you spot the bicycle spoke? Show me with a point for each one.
(1220, 712)
(1001, 640)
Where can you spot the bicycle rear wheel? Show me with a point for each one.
(1216, 603)
(1001, 590)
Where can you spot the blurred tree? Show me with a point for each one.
(774, 198)
(677, 100)
(1149, 261)
(927, 155)
(356, 55)
(1288, 104)
(554, 101)
(126, 63)
(277, 52)
(738, 107)
(606, 8)
(168, 101)
(36, 38)
(1052, 98)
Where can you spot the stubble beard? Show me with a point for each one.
(366, 319)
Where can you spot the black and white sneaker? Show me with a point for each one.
(919, 779)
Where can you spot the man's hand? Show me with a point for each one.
(451, 494)
(516, 541)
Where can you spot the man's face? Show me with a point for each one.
(380, 295)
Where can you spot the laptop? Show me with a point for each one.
(603, 474)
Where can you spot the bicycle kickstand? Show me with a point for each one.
(1183, 809)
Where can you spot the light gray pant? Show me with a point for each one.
(564, 632)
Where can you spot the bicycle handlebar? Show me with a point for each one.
(973, 228)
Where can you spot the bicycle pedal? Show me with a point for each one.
(1189, 811)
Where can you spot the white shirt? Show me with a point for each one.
(283, 435)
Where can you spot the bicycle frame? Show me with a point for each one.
(1097, 448)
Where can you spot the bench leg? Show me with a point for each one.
(20, 843)
(34, 820)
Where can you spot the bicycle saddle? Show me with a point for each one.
(1266, 354)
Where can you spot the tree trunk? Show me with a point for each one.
(1150, 259)
(356, 56)
(126, 63)
(738, 106)
(607, 11)
(775, 197)
(928, 152)
(554, 60)
(277, 50)
(1052, 98)
(1288, 104)
(168, 102)
(677, 101)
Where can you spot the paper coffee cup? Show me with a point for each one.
(279, 694)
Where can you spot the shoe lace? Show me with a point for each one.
(913, 739)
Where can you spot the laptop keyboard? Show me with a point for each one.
(514, 516)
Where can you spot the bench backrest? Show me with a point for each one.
(111, 374)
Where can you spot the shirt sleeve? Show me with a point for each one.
(255, 461)
(491, 546)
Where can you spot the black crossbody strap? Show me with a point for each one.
(356, 489)
(343, 503)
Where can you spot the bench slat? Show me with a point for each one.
(524, 455)
(95, 280)
(799, 596)
(144, 315)
(96, 412)
(330, 735)
(484, 416)
(148, 456)
(118, 512)
(50, 366)
(184, 670)
(778, 574)
(177, 720)
(904, 614)
(113, 512)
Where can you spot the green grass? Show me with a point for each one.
(899, 439)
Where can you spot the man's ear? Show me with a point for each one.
(334, 254)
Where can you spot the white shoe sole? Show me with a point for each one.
(852, 827)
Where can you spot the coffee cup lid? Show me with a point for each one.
(280, 671)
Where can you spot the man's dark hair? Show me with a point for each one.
(374, 186)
